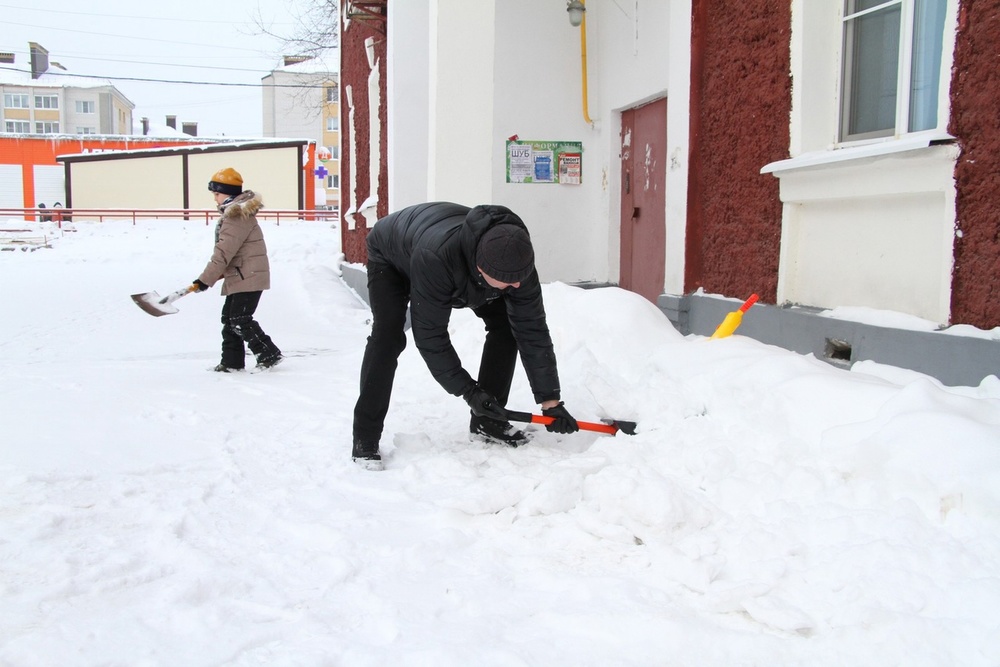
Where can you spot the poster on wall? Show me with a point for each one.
(543, 166)
(569, 168)
(544, 161)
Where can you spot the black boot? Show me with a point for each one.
(365, 453)
(499, 432)
(268, 362)
(222, 368)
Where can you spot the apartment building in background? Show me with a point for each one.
(43, 98)
(301, 100)
(53, 121)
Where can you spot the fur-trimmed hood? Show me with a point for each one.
(245, 204)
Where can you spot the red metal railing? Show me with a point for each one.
(60, 215)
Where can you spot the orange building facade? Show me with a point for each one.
(30, 174)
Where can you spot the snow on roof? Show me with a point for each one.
(208, 145)
(12, 76)
(156, 130)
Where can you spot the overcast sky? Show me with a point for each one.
(197, 41)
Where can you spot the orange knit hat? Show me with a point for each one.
(227, 181)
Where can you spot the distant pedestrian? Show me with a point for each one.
(240, 260)
(42, 216)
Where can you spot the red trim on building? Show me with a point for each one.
(354, 73)
(31, 151)
(741, 101)
(975, 88)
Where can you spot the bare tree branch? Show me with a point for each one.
(315, 28)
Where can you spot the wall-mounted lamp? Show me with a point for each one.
(576, 9)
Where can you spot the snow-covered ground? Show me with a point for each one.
(771, 510)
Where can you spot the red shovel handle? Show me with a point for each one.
(585, 426)
(609, 429)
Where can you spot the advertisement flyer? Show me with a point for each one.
(520, 167)
(543, 167)
(544, 162)
(569, 168)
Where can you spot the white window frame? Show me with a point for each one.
(86, 130)
(46, 127)
(86, 106)
(15, 101)
(46, 101)
(904, 72)
(333, 123)
(18, 126)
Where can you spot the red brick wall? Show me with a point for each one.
(740, 106)
(354, 72)
(975, 121)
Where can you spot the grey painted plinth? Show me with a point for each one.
(356, 278)
(954, 360)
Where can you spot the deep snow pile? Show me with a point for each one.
(771, 509)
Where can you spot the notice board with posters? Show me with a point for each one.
(544, 161)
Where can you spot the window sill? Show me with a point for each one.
(888, 147)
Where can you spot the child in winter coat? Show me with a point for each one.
(240, 261)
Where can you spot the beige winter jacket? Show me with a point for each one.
(240, 255)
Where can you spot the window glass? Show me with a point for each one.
(871, 43)
(46, 101)
(891, 68)
(928, 35)
(15, 100)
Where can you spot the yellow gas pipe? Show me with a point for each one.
(583, 62)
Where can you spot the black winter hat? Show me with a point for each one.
(505, 253)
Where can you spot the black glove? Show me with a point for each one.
(564, 422)
(199, 286)
(483, 404)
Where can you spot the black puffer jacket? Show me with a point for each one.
(434, 245)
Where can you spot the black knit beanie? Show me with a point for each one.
(505, 253)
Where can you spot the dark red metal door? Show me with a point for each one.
(644, 198)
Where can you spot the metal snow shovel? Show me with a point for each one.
(156, 305)
(608, 426)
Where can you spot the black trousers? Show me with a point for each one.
(389, 294)
(240, 330)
